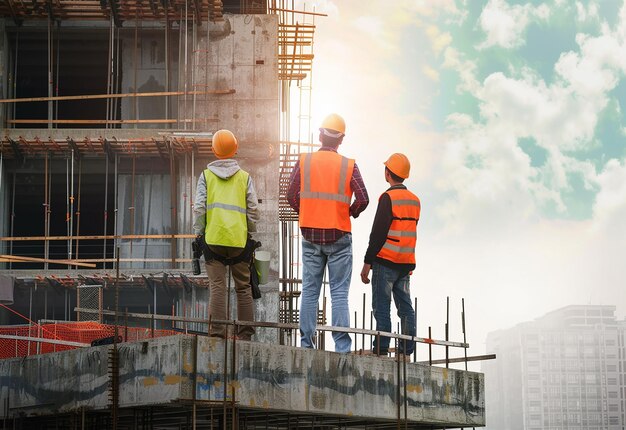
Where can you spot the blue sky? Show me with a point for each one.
(513, 116)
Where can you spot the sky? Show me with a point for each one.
(511, 113)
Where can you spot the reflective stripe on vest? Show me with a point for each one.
(325, 192)
(226, 221)
(402, 235)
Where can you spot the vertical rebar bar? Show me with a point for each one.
(356, 325)
(174, 216)
(167, 64)
(185, 68)
(135, 99)
(109, 69)
(13, 85)
(67, 201)
(80, 171)
(463, 326)
(50, 78)
(12, 219)
(180, 61)
(363, 335)
(415, 343)
(106, 207)
(132, 203)
(56, 87)
(45, 212)
(194, 63)
(115, 206)
(71, 212)
(118, 83)
(30, 315)
(430, 346)
(447, 329)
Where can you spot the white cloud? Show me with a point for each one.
(374, 30)
(505, 24)
(439, 40)
(430, 73)
(467, 70)
(610, 206)
(586, 13)
(561, 117)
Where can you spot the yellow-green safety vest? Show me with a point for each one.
(226, 222)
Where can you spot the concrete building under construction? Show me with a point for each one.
(106, 116)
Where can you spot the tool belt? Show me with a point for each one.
(245, 256)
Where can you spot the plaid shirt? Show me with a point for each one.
(323, 236)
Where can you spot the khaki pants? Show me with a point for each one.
(216, 273)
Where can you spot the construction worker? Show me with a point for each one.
(320, 191)
(391, 255)
(225, 212)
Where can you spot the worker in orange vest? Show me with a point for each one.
(320, 191)
(391, 255)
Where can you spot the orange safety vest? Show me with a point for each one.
(325, 191)
(402, 236)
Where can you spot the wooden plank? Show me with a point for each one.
(116, 96)
(21, 259)
(297, 11)
(105, 121)
(91, 121)
(135, 260)
(126, 236)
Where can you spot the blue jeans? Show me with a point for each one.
(315, 258)
(384, 282)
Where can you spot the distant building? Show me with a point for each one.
(565, 370)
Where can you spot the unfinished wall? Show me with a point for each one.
(149, 65)
(237, 54)
(147, 210)
(241, 53)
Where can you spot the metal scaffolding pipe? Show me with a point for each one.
(167, 63)
(117, 83)
(109, 70)
(50, 79)
(80, 171)
(135, 101)
(115, 206)
(106, 205)
(12, 219)
(56, 104)
(185, 68)
(71, 214)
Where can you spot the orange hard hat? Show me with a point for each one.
(224, 144)
(399, 165)
(335, 123)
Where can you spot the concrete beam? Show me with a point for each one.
(266, 377)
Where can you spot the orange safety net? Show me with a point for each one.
(82, 332)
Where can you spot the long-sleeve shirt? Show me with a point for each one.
(380, 229)
(324, 236)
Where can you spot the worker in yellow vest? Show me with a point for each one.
(320, 191)
(225, 211)
(391, 255)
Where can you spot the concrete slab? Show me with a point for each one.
(266, 376)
